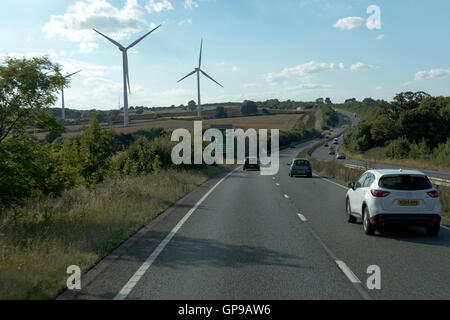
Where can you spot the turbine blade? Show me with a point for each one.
(127, 72)
(113, 41)
(190, 74)
(141, 38)
(206, 75)
(200, 59)
(69, 75)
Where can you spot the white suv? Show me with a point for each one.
(388, 197)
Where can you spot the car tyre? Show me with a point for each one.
(369, 228)
(348, 209)
(433, 231)
(309, 175)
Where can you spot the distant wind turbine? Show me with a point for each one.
(63, 110)
(198, 70)
(126, 76)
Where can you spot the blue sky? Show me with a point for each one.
(258, 49)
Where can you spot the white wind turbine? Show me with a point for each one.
(126, 76)
(63, 110)
(198, 70)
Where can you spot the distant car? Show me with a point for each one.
(394, 197)
(300, 167)
(252, 163)
(331, 152)
(340, 156)
(336, 141)
(326, 145)
(292, 146)
(327, 137)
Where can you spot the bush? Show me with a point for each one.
(398, 149)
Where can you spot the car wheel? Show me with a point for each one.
(348, 209)
(433, 231)
(309, 175)
(369, 228)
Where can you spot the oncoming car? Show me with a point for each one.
(340, 156)
(300, 167)
(252, 163)
(394, 197)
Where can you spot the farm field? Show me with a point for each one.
(278, 121)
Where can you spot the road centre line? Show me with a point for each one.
(346, 270)
(129, 286)
(302, 217)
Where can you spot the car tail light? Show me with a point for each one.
(293, 166)
(433, 194)
(435, 220)
(379, 193)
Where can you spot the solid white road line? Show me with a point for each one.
(445, 227)
(125, 291)
(286, 196)
(339, 185)
(277, 184)
(346, 270)
(302, 217)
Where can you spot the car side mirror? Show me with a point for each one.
(351, 185)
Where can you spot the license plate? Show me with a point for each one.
(301, 171)
(408, 203)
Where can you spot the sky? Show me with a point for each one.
(257, 49)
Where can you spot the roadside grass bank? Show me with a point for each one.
(40, 239)
(378, 155)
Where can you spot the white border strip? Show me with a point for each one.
(302, 217)
(125, 291)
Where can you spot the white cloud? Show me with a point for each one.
(158, 6)
(302, 72)
(87, 47)
(235, 69)
(184, 22)
(189, 4)
(250, 85)
(77, 22)
(349, 23)
(359, 66)
(433, 74)
(380, 37)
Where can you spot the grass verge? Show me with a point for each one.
(39, 240)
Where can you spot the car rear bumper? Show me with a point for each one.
(252, 166)
(299, 173)
(406, 219)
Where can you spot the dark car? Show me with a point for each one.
(341, 156)
(300, 167)
(292, 146)
(331, 152)
(326, 145)
(252, 163)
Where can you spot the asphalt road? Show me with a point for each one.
(322, 152)
(243, 238)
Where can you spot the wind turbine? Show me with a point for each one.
(126, 76)
(198, 71)
(63, 110)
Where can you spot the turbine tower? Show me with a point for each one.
(198, 71)
(126, 76)
(63, 110)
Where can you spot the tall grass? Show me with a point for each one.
(39, 240)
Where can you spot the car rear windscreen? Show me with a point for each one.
(301, 162)
(405, 182)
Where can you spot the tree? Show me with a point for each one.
(249, 107)
(96, 149)
(402, 102)
(221, 112)
(351, 100)
(28, 87)
(192, 105)
(319, 100)
(328, 101)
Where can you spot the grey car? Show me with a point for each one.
(300, 167)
